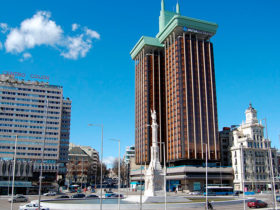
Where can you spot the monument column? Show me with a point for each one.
(154, 176)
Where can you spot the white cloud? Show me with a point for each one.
(75, 26)
(37, 30)
(25, 56)
(41, 30)
(4, 27)
(1, 46)
(92, 34)
(109, 161)
(76, 47)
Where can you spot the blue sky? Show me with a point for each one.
(91, 59)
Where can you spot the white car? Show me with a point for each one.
(50, 194)
(32, 206)
(18, 198)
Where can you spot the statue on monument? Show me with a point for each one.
(154, 176)
(154, 116)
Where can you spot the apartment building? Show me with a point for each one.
(82, 165)
(254, 161)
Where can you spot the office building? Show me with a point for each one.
(82, 165)
(224, 138)
(175, 75)
(250, 153)
(129, 153)
(38, 117)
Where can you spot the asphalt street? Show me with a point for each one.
(229, 205)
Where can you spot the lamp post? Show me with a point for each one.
(82, 176)
(271, 170)
(206, 176)
(43, 156)
(119, 170)
(165, 173)
(221, 173)
(243, 175)
(14, 170)
(100, 125)
(141, 160)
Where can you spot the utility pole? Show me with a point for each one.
(43, 156)
(14, 171)
(243, 176)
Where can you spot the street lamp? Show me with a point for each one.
(271, 169)
(141, 160)
(243, 175)
(206, 175)
(14, 170)
(43, 156)
(100, 125)
(119, 170)
(165, 173)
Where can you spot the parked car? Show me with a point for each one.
(237, 192)
(257, 204)
(62, 197)
(113, 195)
(92, 196)
(195, 193)
(32, 206)
(108, 195)
(78, 195)
(18, 198)
(278, 198)
(50, 193)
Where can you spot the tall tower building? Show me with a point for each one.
(175, 75)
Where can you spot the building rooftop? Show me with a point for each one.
(171, 21)
(14, 81)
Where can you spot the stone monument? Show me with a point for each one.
(154, 176)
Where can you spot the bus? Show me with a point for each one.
(219, 190)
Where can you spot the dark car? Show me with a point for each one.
(91, 196)
(278, 198)
(117, 195)
(113, 195)
(237, 192)
(78, 195)
(257, 204)
(62, 197)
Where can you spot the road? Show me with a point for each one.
(5, 205)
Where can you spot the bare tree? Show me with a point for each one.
(123, 170)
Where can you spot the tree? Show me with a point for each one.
(123, 170)
(94, 172)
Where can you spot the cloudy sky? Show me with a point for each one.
(84, 46)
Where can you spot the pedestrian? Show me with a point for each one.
(209, 205)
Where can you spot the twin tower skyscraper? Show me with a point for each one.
(175, 75)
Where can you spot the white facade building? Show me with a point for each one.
(129, 153)
(250, 153)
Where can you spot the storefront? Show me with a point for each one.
(21, 187)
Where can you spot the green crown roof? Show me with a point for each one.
(145, 40)
(168, 21)
(182, 21)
